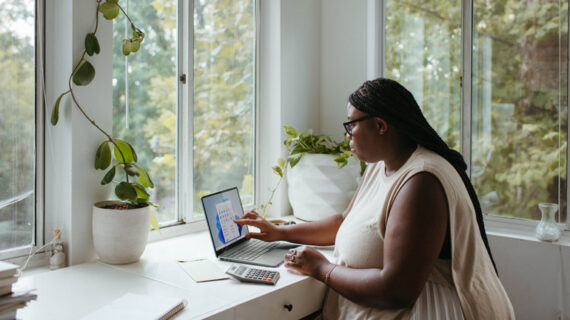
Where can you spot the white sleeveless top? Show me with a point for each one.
(468, 288)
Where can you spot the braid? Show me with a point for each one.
(389, 100)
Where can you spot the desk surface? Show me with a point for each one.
(73, 292)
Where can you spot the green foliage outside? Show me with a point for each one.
(223, 98)
(17, 123)
(519, 96)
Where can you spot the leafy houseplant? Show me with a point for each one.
(305, 142)
(133, 193)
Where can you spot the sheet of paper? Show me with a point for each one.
(139, 307)
(201, 270)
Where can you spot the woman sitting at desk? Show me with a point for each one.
(411, 243)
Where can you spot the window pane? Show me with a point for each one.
(145, 96)
(519, 105)
(17, 123)
(224, 83)
(423, 53)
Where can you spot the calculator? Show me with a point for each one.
(248, 274)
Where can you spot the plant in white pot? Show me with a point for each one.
(322, 174)
(120, 227)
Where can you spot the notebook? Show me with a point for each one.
(7, 269)
(131, 306)
(201, 270)
(230, 243)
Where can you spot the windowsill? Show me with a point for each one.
(158, 274)
(520, 229)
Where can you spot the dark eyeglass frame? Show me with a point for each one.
(350, 124)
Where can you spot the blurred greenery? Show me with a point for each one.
(223, 98)
(17, 123)
(519, 91)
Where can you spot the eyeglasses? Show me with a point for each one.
(350, 124)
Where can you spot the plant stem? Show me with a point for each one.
(275, 189)
(77, 102)
(126, 15)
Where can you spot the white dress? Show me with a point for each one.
(364, 227)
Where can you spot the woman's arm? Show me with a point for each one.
(415, 233)
(322, 232)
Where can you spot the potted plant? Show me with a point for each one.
(120, 227)
(322, 177)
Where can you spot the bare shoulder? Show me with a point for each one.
(422, 192)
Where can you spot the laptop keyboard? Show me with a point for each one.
(250, 250)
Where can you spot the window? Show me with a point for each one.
(423, 52)
(516, 96)
(519, 105)
(17, 123)
(150, 86)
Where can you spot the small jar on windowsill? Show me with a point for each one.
(547, 229)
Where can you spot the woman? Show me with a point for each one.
(411, 244)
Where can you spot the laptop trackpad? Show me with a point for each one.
(274, 257)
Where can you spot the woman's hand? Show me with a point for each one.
(267, 230)
(308, 261)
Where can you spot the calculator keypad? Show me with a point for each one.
(254, 275)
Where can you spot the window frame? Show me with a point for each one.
(515, 225)
(187, 220)
(20, 254)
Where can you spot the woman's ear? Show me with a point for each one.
(381, 125)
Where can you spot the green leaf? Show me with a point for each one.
(362, 167)
(130, 45)
(290, 131)
(295, 158)
(125, 191)
(55, 110)
(103, 156)
(142, 195)
(281, 162)
(144, 178)
(84, 74)
(126, 150)
(135, 45)
(108, 176)
(109, 9)
(341, 161)
(278, 170)
(138, 34)
(131, 171)
(92, 44)
(154, 222)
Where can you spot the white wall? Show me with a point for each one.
(536, 276)
(343, 60)
(72, 185)
(289, 85)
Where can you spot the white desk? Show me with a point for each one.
(73, 292)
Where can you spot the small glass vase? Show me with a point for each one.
(547, 229)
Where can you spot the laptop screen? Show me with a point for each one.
(221, 208)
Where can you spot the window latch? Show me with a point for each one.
(183, 78)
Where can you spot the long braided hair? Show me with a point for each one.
(389, 100)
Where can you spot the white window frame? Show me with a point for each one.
(188, 222)
(376, 37)
(19, 255)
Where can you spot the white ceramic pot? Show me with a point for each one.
(120, 236)
(319, 189)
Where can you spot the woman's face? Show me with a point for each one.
(364, 137)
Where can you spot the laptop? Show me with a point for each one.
(229, 240)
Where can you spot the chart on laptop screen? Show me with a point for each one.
(221, 208)
(226, 217)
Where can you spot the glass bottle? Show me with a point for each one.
(57, 255)
(547, 229)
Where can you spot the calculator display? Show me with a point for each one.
(240, 270)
